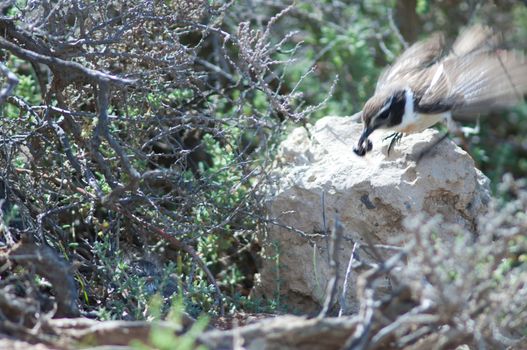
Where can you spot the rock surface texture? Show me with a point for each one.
(319, 178)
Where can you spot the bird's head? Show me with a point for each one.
(381, 111)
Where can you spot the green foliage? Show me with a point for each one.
(423, 6)
(10, 215)
(167, 338)
(499, 148)
(131, 288)
(228, 193)
(226, 176)
(27, 87)
(344, 46)
(128, 293)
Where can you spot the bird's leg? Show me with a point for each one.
(427, 149)
(390, 136)
(395, 137)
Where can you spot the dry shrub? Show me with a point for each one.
(470, 289)
(134, 133)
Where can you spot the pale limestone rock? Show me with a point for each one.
(371, 196)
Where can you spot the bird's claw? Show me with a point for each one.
(395, 137)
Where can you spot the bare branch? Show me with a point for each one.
(70, 70)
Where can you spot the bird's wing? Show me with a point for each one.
(481, 82)
(476, 77)
(417, 57)
(433, 90)
(476, 39)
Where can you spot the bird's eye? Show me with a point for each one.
(384, 115)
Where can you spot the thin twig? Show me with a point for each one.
(331, 288)
(345, 285)
(395, 29)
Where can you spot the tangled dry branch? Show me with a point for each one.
(121, 119)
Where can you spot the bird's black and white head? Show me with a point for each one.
(382, 111)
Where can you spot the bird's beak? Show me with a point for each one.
(360, 150)
(365, 133)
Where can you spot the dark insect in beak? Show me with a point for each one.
(360, 150)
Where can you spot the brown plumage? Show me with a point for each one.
(428, 83)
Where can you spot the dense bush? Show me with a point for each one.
(135, 134)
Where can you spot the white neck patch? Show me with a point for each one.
(409, 115)
(413, 122)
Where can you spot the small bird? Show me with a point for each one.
(429, 84)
